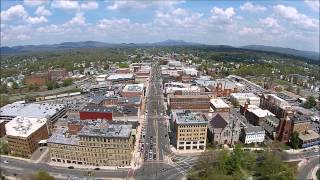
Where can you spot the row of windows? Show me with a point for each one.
(189, 126)
(100, 139)
(194, 130)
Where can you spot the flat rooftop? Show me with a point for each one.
(120, 76)
(190, 96)
(183, 117)
(34, 110)
(97, 109)
(259, 112)
(133, 88)
(309, 135)
(244, 96)
(219, 103)
(254, 129)
(23, 126)
(107, 130)
(61, 136)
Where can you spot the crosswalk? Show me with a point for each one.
(184, 163)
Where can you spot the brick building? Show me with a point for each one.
(24, 134)
(131, 90)
(96, 112)
(276, 105)
(57, 74)
(194, 103)
(37, 78)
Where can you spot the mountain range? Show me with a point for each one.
(5, 50)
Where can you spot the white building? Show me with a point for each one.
(241, 98)
(101, 79)
(184, 88)
(218, 105)
(190, 71)
(252, 134)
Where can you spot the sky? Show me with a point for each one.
(292, 24)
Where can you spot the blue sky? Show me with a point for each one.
(293, 24)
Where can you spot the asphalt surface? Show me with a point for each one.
(306, 170)
(20, 168)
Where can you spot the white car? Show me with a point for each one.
(5, 161)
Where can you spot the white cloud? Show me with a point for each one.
(77, 20)
(50, 29)
(178, 18)
(36, 20)
(42, 11)
(23, 37)
(129, 5)
(89, 5)
(65, 4)
(13, 12)
(113, 23)
(292, 15)
(74, 5)
(228, 13)
(313, 4)
(253, 8)
(250, 31)
(270, 22)
(34, 2)
(272, 25)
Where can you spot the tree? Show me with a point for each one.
(4, 148)
(15, 85)
(3, 88)
(294, 140)
(43, 175)
(4, 100)
(310, 103)
(52, 85)
(67, 82)
(271, 167)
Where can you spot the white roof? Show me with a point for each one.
(244, 95)
(33, 110)
(102, 76)
(133, 88)
(259, 112)
(219, 103)
(23, 126)
(119, 76)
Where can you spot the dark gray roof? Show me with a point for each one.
(218, 122)
(273, 119)
(97, 109)
(300, 118)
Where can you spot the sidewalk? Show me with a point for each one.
(17, 158)
(87, 166)
(296, 151)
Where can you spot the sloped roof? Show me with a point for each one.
(218, 122)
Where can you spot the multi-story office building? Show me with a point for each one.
(131, 90)
(276, 105)
(196, 103)
(218, 105)
(239, 99)
(96, 144)
(52, 112)
(24, 134)
(190, 130)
